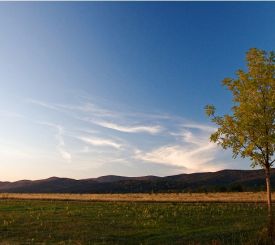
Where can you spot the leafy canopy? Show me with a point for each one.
(250, 130)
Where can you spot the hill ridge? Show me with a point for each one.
(222, 180)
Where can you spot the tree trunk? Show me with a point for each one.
(269, 202)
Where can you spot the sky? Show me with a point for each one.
(97, 88)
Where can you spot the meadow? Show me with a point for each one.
(25, 221)
(255, 197)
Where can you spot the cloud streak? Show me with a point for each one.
(65, 155)
(194, 152)
(100, 142)
(61, 145)
(165, 140)
(131, 129)
(96, 115)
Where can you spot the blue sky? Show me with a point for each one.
(90, 89)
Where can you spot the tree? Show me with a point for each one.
(250, 130)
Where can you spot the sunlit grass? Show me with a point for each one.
(161, 197)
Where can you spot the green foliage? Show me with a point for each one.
(250, 130)
(209, 110)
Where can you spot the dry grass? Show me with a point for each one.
(256, 197)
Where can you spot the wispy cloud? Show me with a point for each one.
(43, 104)
(100, 142)
(5, 113)
(60, 140)
(61, 145)
(88, 108)
(193, 160)
(85, 108)
(171, 141)
(96, 115)
(154, 129)
(200, 126)
(193, 152)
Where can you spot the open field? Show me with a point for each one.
(83, 222)
(257, 197)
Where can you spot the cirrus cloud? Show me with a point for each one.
(100, 142)
(193, 151)
(165, 140)
(154, 129)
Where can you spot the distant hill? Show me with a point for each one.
(224, 180)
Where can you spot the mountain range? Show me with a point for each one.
(224, 180)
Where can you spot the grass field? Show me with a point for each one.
(83, 222)
(161, 197)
